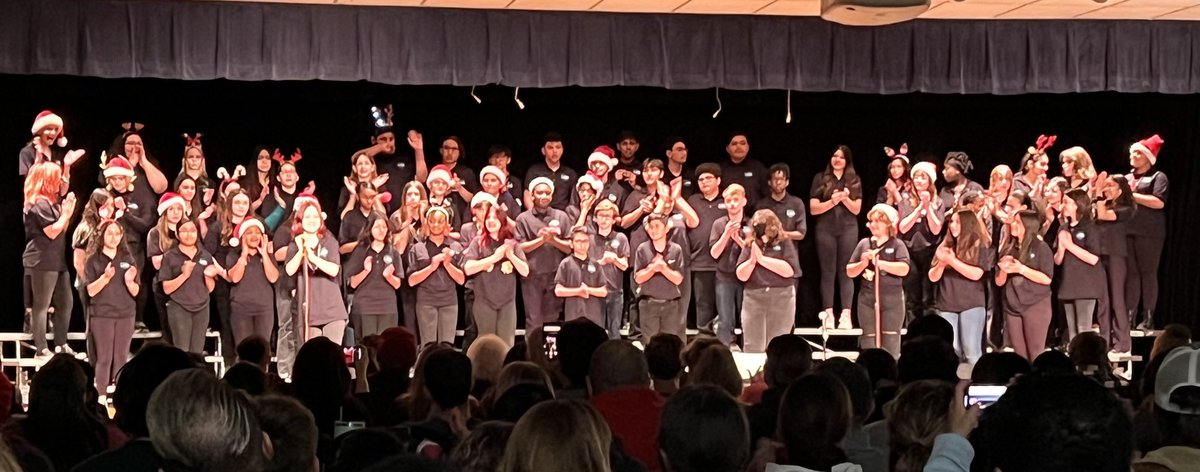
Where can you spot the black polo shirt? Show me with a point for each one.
(114, 300)
(254, 295)
(374, 296)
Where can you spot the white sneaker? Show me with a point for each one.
(827, 321)
(844, 321)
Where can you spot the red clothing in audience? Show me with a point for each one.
(633, 414)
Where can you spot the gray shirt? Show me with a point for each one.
(545, 259)
(658, 287)
(437, 290)
(574, 273)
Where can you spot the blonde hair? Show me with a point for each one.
(1080, 160)
(487, 357)
(715, 366)
(891, 224)
(999, 172)
(43, 181)
(919, 413)
(559, 436)
(734, 189)
(606, 205)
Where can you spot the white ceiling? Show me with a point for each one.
(941, 9)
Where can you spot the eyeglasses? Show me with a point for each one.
(448, 148)
(705, 178)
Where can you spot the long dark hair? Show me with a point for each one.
(364, 237)
(97, 241)
(91, 218)
(814, 416)
(506, 229)
(250, 182)
(1021, 250)
(971, 236)
(225, 214)
(1083, 204)
(849, 175)
(1125, 199)
(60, 422)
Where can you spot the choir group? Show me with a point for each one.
(629, 240)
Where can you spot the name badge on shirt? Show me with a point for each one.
(687, 183)
(202, 262)
(1146, 180)
(123, 265)
(776, 248)
(591, 268)
(553, 223)
(791, 213)
(637, 172)
(720, 206)
(387, 259)
(890, 250)
(322, 252)
(614, 243)
(132, 206)
(1079, 235)
(565, 177)
(748, 174)
(400, 165)
(612, 198)
(677, 216)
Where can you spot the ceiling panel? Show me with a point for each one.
(1187, 10)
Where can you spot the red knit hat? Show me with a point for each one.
(168, 199)
(48, 118)
(1150, 146)
(240, 230)
(118, 166)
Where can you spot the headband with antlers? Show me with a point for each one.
(382, 117)
(133, 127)
(191, 141)
(892, 154)
(281, 159)
(109, 211)
(228, 178)
(1043, 143)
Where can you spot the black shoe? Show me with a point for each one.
(1147, 323)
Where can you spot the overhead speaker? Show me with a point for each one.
(872, 12)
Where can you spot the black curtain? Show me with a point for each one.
(426, 46)
(329, 121)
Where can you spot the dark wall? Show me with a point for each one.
(329, 121)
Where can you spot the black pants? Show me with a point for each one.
(408, 306)
(918, 290)
(834, 247)
(160, 305)
(246, 325)
(1141, 281)
(704, 295)
(471, 331)
(50, 288)
(891, 318)
(1116, 328)
(112, 336)
(224, 327)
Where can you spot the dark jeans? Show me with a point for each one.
(834, 247)
(614, 305)
(541, 306)
(729, 308)
(224, 325)
(918, 290)
(1114, 325)
(704, 296)
(288, 340)
(1141, 279)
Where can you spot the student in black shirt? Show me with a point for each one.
(133, 197)
(400, 169)
(44, 259)
(252, 276)
(709, 206)
(580, 283)
(1025, 265)
(376, 272)
(955, 168)
(1147, 229)
(628, 168)
(769, 267)
(922, 215)
(959, 265)
(193, 166)
(189, 274)
(552, 168)
(172, 209)
(500, 157)
(541, 230)
(610, 249)
(354, 222)
(1114, 211)
(495, 260)
(362, 170)
(835, 200)
(898, 183)
(743, 170)
(441, 188)
(658, 272)
(676, 173)
(112, 283)
(494, 181)
(883, 262)
(1083, 291)
(725, 243)
(48, 144)
(312, 258)
(463, 182)
(434, 269)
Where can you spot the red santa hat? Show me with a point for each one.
(1149, 146)
(603, 154)
(49, 118)
(441, 172)
(539, 181)
(168, 199)
(240, 230)
(927, 167)
(494, 171)
(118, 166)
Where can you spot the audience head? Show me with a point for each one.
(1052, 362)
(1054, 422)
(246, 377)
(522, 373)
(138, 380)
(931, 326)
(448, 378)
(617, 364)
(1088, 349)
(717, 367)
(292, 431)
(359, 449)
(999, 368)
(514, 402)
(577, 340)
(691, 353)
(927, 358)
(1171, 337)
(1176, 388)
(559, 436)
(789, 357)
(487, 357)
(407, 463)
(398, 349)
(199, 424)
(880, 365)
(663, 356)
(858, 384)
(814, 416)
(915, 417)
(417, 400)
(482, 450)
(256, 350)
(703, 429)
(320, 379)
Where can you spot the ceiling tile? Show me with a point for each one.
(722, 6)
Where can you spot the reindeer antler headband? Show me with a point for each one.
(192, 141)
(1043, 143)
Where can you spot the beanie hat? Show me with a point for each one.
(1149, 146)
(924, 166)
(958, 160)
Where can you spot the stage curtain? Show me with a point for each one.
(263, 41)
